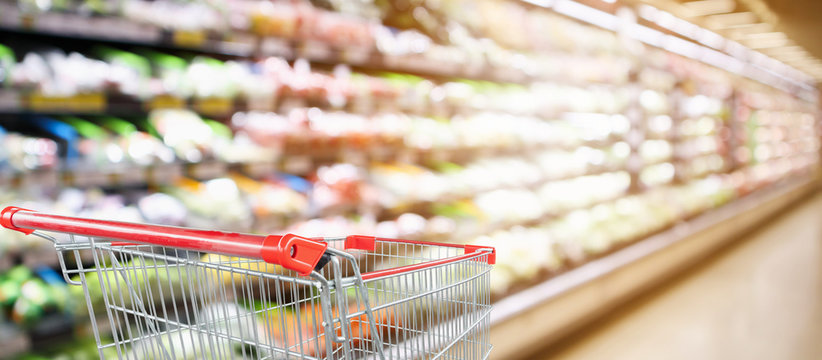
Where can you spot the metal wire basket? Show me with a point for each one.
(160, 292)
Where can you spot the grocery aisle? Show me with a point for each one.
(761, 299)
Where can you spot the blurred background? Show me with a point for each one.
(599, 145)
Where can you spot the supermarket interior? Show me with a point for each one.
(645, 170)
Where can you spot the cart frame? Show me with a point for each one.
(417, 299)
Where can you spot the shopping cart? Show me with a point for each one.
(161, 292)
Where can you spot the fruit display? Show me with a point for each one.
(27, 297)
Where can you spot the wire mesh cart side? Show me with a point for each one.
(161, 292)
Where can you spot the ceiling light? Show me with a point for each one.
(767, 36)
(792, 55)
(736, 49)
(761, 9)
(646, 34)
(738, 31)
(648, 12)
(792, 48)
(796, 59)
(723, 21)
(786, 51)
(543, 3)
(586, 13)
(709, 7)
(710, 38)
(766, 40)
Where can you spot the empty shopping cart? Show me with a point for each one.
(161, 292)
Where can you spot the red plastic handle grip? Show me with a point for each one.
(5, 219)
(293, 252)
(290, 251)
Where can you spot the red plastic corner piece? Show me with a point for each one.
(5, 219)
(492, 257)
(361, 242)
(293, 252)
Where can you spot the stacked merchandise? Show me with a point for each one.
(486, 122)
(775, 135)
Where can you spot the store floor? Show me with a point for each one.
(759, 299)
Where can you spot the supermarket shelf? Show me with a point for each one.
(544, 218)
(692, 177)
(534, 185)
(117, 31)
(93, 104)
(133, 175)
(294, 162)
(112, 30)
(17, 103)
(688, 46)
(557, 307)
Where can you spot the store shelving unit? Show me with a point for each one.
(113, 30)
(556, 308)
(444, 136)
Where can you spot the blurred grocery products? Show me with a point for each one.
(484, 122)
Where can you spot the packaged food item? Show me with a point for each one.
(176, 16)
(338, 185)
(211, 78)
(653, 151)
(52, 73)
(240, 148)
(139, 147)
(128, 73)
(403, 184)
(279, 19)
(20, 152)
(97, 147)
(185, 132)
(170, 75)
(160, 208)
(275, 200)
(213, 203)
(7, 61)
(335, 28)
(65, 134)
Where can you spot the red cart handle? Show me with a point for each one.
(369, 243)
(293, 252)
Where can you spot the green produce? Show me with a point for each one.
(36, 291)
(26, 312)
(6, 64)
(148, 278)
(10, 284)
(9, 292)
(19, 274)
